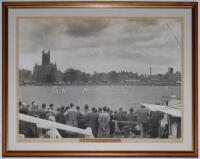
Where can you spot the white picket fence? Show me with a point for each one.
(54, 126)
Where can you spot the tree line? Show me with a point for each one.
(75, 76)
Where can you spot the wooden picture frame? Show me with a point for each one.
(7, 6)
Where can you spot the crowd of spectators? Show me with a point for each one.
(104, 122)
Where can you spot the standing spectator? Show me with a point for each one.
(60, 118)
(28, 106)
(44, 107)
(100, 110)
(34, 110)
(20, 104)
(164, 127)
(112, 124)
(79, 116)
(84, 116)
(23, 109)
(28, 129)
(92, 121)
(121, 116)
(72, 116)
(86, 108)
(154, 121)
(42, 111)
(132, 116)
(142, 114)
(47, 114)
(124, 115)
(66, 114)
(51, 107)
(104, 124)
(115, 115)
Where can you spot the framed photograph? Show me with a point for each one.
(100, 79)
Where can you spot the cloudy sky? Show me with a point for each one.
(101, 44)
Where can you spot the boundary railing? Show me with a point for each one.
(54, 126)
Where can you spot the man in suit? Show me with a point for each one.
(34, 110)
(72, 116)
(28, 129)
(60, 118)
(92, 121)
(142, 117)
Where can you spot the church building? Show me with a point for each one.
(47, 72)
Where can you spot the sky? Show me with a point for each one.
(102, 44)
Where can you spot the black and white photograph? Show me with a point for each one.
(100, 77)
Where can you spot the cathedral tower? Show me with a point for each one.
(45, 58)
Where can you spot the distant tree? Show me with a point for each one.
(76, 76)
(99, 77)
(72, 75)
(160, 76)
(24, 74)
(136, 75)
(112, 76)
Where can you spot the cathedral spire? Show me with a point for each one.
(45, 57)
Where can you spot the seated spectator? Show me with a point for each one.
(50, 132)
